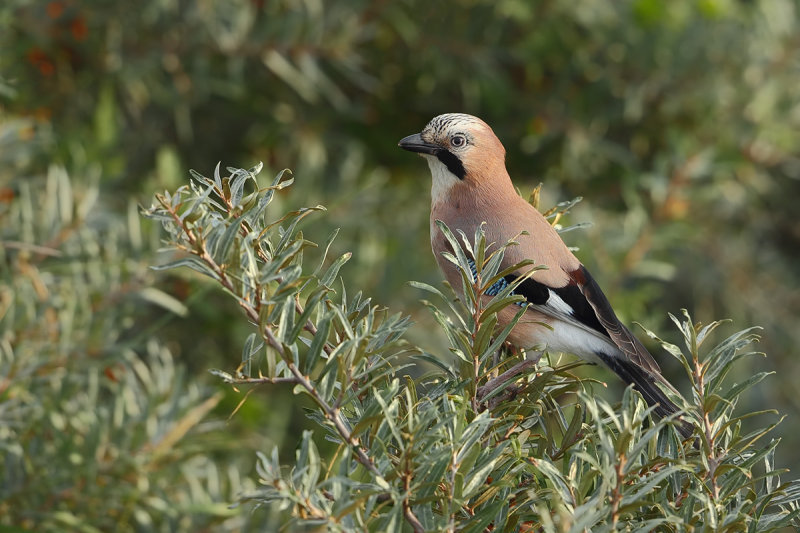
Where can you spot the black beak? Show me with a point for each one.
(414, 143)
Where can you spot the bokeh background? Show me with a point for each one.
(678, 122)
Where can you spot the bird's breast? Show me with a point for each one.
(503, 222)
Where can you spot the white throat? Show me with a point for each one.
(442, 180)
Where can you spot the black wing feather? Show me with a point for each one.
(590, 307)
(622, 336)
(645, 383)
(538, 294)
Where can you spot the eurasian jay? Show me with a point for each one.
(566, 310)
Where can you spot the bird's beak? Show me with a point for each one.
(414, 143)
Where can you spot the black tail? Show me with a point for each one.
(645, 382)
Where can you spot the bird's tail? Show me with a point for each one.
(647, 384)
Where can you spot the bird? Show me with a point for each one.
(565, 309)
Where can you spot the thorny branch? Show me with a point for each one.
(411, 518)
(708, 430)
(477, 315)
(504, 380)
(616, 492)
(252, 310)
(332, 414)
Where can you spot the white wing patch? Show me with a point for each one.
(557, 304)
(568, 337)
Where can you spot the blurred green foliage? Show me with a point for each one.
(678, 121)
(100, 427)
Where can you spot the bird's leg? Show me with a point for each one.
(504, 380)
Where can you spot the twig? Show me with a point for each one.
(616, 493)
(708, 430)
(331, 414)
(477, 315)
(411, 518)
(310, 327)
(263, 380)
(36, 248)
(451, 525)
(503, 380)
(298, 307)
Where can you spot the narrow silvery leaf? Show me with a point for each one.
(226, 241)
(198, 201)
(251, 347)
(330, 275)
(503, 335)
(192, 262)
(310, 306)
(328, 379)
(308, 462)
(286, 321)
(200, 178)
(217, 178)
(288, 233)
(292, 280)
(703, 333)
(484, 335)
(476, 479)
(255, 170)
(479, 251)
(225, 376)
(457, 312)
(164, 300)
(267, 195)
(725, 353)
(325, 249)
(472, 434)
(237, 186)
(739, 388)
(318, 342)
(461, 259)
(389, 417)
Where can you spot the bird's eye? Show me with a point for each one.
(458, 141)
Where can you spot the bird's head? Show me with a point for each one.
(458, 148)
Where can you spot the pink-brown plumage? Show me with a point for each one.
(566, 311)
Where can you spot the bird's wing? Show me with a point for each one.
(582, 302)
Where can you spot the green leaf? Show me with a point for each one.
(330, 275)
(472, 434)
(164, 300)
(286, 321)
(432, 359)
(318, 341)
(477, 476)
(389, 415)
(191, 262)
(480, 247)
(240, 177)
(217, 178)
(251, 347)
(461, 260)
(501, 337)
(197, 201)
(221, 246)
(739, 388)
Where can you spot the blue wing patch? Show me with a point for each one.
(498, 285)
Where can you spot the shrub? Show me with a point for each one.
(462, 445)
(101, 428)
